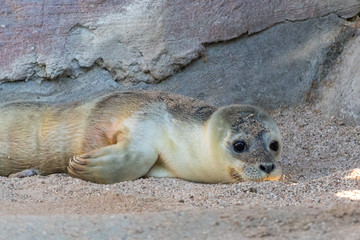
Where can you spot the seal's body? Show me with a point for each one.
(128, 135)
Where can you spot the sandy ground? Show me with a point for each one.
(319, 197)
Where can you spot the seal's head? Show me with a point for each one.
(250, 143)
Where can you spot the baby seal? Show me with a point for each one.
(127, 135)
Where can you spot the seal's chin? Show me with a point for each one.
(254, 174)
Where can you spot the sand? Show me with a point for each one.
(318, 198)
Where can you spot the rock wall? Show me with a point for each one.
(222, 51)
(274, 68)
(340, 91)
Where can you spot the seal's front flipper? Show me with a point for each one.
(112, 164)
(24, 173)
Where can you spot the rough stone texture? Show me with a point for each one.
(135, 41)
(341, 87)
(95, 81)
(254, 69)
(274, 68)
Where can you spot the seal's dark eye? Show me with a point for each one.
(274, 145)
(239, 146)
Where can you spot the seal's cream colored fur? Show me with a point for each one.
(128, 135)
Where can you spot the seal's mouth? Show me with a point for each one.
(255, 174)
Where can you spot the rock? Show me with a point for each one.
(341, 88)
(50, 46)
(144, 41)
(274, 68)
(94, 82)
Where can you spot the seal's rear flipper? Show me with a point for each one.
(24, 173)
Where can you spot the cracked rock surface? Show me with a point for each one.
(136, 41)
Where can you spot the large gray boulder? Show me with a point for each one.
(341, 88)
(56, 50)
(271, 69)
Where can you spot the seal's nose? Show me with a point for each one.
(267, 167)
